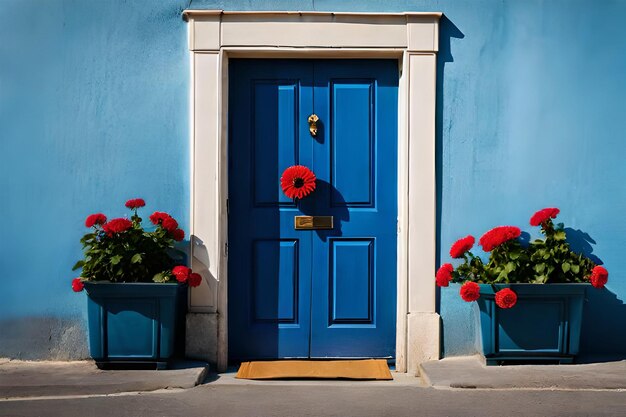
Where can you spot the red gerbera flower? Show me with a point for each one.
(297, 181)
(497, 236)
(178, 234)
(194, 280)
(158, 216)
(599, 276)
(444, 275)
(470, 291)
(77, 285)
(118, 225)
(543, 215)
(94, 219)
(181, 273)
(461, 246)
(169, 224)
(135, 203)
(506, 298)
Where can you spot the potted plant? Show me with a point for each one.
(136, 289)
(521, 319)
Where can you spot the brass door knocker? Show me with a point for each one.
(313, 119)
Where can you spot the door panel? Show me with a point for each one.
(269, 301)
(313, 293)
(358, 102)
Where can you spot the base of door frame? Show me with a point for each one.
(423, 339)
(201, 336)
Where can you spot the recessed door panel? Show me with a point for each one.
(352, 281)
(351, 142)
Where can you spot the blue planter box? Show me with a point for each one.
(134, 323)
(544, 325)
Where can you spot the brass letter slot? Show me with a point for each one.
(313, 222)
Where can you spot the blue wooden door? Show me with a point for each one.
(312, 293)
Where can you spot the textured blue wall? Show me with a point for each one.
(93, 110)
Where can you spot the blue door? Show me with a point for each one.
(324, 292)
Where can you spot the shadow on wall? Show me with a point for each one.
(447, 31)
(603, 333)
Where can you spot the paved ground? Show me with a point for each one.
(78, 389)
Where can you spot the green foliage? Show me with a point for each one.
(134, 255)
(548, 260)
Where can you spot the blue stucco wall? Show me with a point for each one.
(94, 110)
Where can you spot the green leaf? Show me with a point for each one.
(575, 268)
(560, 235)
(77, 265)
(137, 258)
(115, 259)
(539, 268)
(514, 255)
(509, 267)
(160, 277)
(565, 266)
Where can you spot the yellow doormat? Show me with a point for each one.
(303, 369)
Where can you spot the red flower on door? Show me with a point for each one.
(297, 181)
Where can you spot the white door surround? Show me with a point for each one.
(412, 39)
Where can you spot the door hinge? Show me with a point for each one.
(226, 249)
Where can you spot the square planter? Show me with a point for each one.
(134, 323)
(544, 325)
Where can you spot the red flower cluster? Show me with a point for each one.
(135, 203)
(599, 276)
(470, 291)
(178, 234)
(497, 236)
(184, 274)
(169, 224)
(297, 181)
(506, 298)
(94, 219)
(444, 275)
(194, 279)
(118, 225)
(158, 216)
(77, 285)
(461, 246)
(543, 215)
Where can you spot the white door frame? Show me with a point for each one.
(215, 36)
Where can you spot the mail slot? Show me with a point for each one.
(313, 222)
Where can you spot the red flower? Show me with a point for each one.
(118, 225)
(135, 203)
(599, 276)
(297, 181)
(543, 215)
(169, 224)
(470, 291)
(178, 234)
(181, 273)
(158, 216)
(194, 280)
(77, 285)
(444, 275)
(497, 236)
(461, 246)
(94, 219)
(506, 298)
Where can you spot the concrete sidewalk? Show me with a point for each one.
(24, 379)
(470, 372)
(20, 379)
